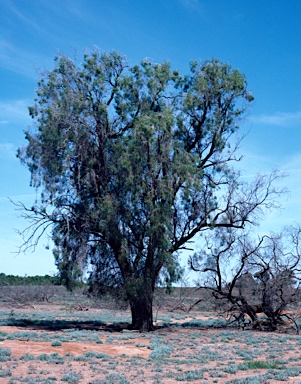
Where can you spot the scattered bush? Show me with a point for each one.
(72, 377)
(5, 372)
(56, 343)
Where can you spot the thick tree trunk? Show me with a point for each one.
(142, 312)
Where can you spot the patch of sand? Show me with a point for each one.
(34, 348)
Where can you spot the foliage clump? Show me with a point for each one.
(12, 280)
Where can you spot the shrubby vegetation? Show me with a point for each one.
(28, 280)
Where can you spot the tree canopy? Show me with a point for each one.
(134, 162)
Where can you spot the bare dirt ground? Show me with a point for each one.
(81, 351)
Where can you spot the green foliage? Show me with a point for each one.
(114, 378)
(90, 356)
(5, 372)
(28, 280)
(26, 335)
(215, 323)
(56, 343)
(53, 358)
(131, 163)
(160, 351)
(259, 379)
(231, 369)
(72, 377)
(27, 357)
(190, 375)
(5, 352)
(260, 364)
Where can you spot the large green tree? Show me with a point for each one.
(132, 164)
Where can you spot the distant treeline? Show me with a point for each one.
(28, 280)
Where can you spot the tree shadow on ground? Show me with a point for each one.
(58, 325)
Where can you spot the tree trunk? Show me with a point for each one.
(142, 312)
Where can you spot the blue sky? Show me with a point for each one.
(261, 38)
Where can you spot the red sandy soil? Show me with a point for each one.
(121, 354)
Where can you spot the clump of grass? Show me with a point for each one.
(127, 336)
(71, 377)
(190, 375)
(260, 364)
(293, 371)
(56, 343)
(23, 336)
(49, 380)
(27, 357)
(53, 358)
(281, 376)
(260, 379)
(227, 336)
(5, 372)
(216, 373)
(88, 356)
(32, 380)
(159, 350)
(113, 378)
(210, 355)
(5, 354)
(246, 355)
(231, 369)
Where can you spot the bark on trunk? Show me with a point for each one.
(142, 313)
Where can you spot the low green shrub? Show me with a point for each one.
(5, 372)
(56, 343)
(114, 378)
(260, 364)
(27, 357)
(71, 377)
(53, 358)
(190, 376)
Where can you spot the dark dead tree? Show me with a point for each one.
(252, 277)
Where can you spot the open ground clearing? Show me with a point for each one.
(57, 343)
